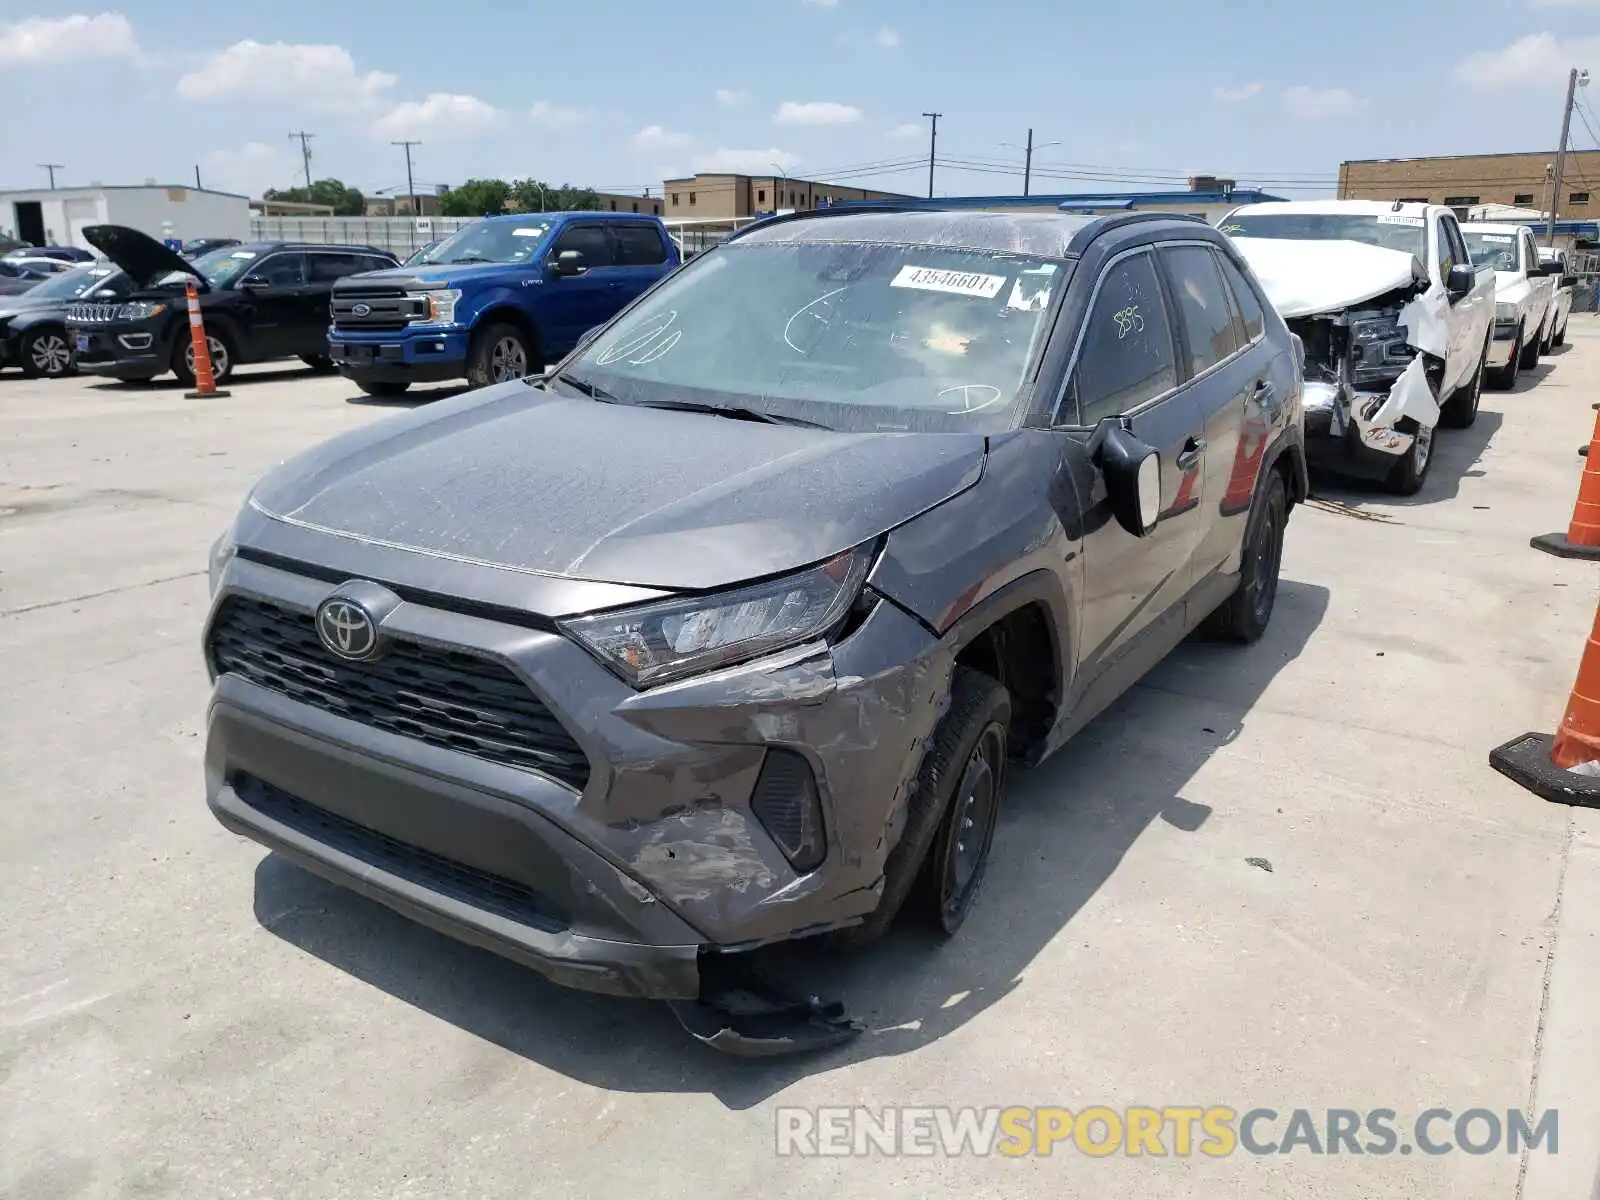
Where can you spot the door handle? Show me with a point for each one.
(1190, 454)
(1264, 392)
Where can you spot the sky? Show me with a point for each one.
(619, 96)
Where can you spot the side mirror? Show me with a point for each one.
(251, 283)
(1132, 471)
(1461, 279)
(569, 263)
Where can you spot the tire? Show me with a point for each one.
(1503, 379)
(1560, 336)
(1408, 475)
(1461, 410)
(499, 353)
(385, 389)
(320, 363)
(183, 357)
(45, 354)
(975, 723)
(1245, 615)
(1530, 353)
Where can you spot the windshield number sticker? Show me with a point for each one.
(243, 254)
(533, 233)
(1413, 222)
(1499, 239)
(1129, 320)
(960, 283)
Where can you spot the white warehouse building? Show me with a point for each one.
(56, 216)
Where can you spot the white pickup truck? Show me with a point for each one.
(1524, 295)
(1395, 319)
(1560, 265)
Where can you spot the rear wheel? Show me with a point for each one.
(45, 355)
(1503, 379)
(383, 388)
(1245, 615)
(183, 358)
(499, 353)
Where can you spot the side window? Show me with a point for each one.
(281, 270)
(638, 245)
(590, 241)
(326, 267)
(1530, 250)
(1126, 357)
(1202, 305)
(371, 262)
(1246, 303)
(1444, 252)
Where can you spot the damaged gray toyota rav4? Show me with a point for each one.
(723, 632)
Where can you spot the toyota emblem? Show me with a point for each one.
(360, 310)
(347, 629)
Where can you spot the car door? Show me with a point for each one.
(641, 258)
(1226, 368)
(1469, 314)
(272, 305)
(1126, 366)
(577, 303)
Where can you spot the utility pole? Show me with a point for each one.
(197, 184)
(305, 151)
(1027, 165)
(1573, 82)
(52, 168)
(411, 188)
(933, 146)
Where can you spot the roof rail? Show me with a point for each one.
(833, 210)
(1102, 222)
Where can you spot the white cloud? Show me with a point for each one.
(67, 39)
(886, 38)
(1310, 102)
(822, 3)
(746, 162)
(1538, 58)
(317, 76)
(252, 169)
(546, 115)
(442, 114)
(815, 112)
(1235, 95)
(909, 129)
(658, 137)
(731, 97)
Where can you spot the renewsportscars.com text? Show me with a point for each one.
(1179, 1131)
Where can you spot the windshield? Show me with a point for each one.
(220, 267)
(850, 336)
(488, 241)
(1497, 250)
(73, 284)
(1390, 231)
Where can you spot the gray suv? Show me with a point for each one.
(724, 632)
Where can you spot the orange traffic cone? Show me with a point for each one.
(1559, 767)
(1582, 538)
(205, 384)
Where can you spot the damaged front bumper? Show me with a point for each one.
(651, 866)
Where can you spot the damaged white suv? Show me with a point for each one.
(1395, 318)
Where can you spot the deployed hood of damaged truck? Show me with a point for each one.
(528, 480)
(1306, 277)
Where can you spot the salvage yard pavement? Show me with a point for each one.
(1283, 877)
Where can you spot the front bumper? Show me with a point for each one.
(658, 859)
(1339, 437)
(409, 356)
(119, 348)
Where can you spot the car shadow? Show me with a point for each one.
(1457, 454)
(409, 399)
(1065, 830)
(246, 379)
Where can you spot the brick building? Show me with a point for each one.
(1461, 181)
(736, 197)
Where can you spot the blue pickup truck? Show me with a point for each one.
(495, 301)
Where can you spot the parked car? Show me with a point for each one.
(1559, 264)
(421, 254)
(725, 630)
(1524, 297)
(262, 301)
(1395, 321)
(67, 254)
(33, 330)
(496, 300)
(16, 278)
(195, 247)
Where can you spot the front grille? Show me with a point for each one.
(93, 313)
(388, 308)
(480, 889)
(445, 698)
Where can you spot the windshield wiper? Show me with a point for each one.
(732, 411)
(587, 388)
(470, 258)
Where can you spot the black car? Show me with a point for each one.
(16, 278)
(723, 632)
(259, 301)
(195, 247)
(33, 325)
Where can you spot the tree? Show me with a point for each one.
(474, 198)
(533, 195)
(345, 201)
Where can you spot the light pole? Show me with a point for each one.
(1027, 162)
(1575, 80)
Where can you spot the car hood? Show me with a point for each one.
(434, 275)
(15, 287)
(1306, 277)
(141, 257)
(528, 480)
(12, 306)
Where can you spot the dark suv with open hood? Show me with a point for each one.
(724, 631)
(260, 301)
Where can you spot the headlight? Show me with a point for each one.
(671, 639)
(1378, 329)
(141, 310)
(439, 306)
(222, 552)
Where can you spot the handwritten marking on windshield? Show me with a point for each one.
(646, 345)
(1129, 320)
(809, 310)
(972, 397)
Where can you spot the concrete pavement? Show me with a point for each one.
(182, 1015)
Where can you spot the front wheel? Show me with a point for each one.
(183, 358)
(1461, 410)
(1503, 379)
(45, 355)
(1245, 615)
(499, 353)
(1407, 476)
(1560, 337)
(1530, 352)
